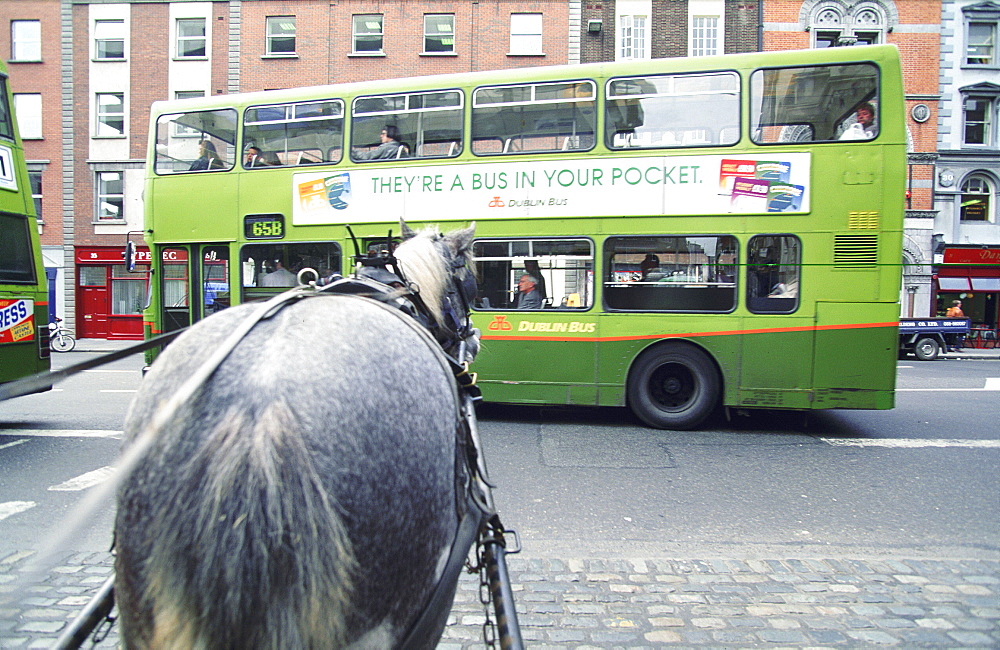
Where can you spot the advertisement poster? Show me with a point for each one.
(661, 185)
(17, 320)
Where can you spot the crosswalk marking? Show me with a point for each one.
(911, 443)
(84, 481)
(13, 507)
(66, 433)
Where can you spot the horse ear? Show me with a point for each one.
(461, 240)
(407, 232)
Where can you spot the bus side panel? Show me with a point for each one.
(181, 213)
(859, 381)
(777, 364)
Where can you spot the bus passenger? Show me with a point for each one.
(864, 128)
(279, 277)
(208, 158)
(388, 149)
(255, 158)
(527, 296)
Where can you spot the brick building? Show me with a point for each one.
(86, 71)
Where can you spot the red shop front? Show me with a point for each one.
(971, 274)
(109, 299)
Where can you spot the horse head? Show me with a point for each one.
(439, 269)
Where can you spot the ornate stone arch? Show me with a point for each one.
(815, 13)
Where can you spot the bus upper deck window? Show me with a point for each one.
(680, 110)
(823, 103)
(196, 141)
(424, 124)
(293, 134)
(534, 118)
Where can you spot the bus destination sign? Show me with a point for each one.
(264, 226)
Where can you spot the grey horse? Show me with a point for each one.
(305, 497)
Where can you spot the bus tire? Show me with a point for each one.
(926, 349)
(673, 387)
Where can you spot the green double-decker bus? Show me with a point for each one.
(673, 235)
(24, 301)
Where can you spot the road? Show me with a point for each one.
(607, 510)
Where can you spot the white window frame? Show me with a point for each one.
(25, 40)
(179, 39)
(431, 21)
(28, 109)
(706, 37)
(270, 35)
(361, 20)
(526, 34)
(985, 188)
(840, 24)
(101, 117)
(101, 194)
(989, 120)
(108, 31)
(633, 37)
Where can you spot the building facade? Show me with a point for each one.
(966, 232)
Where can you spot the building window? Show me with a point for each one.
(110, 115)
(281, 35)
(526, 34)
(110, 196)
(705, 36)
(368, 33)
(837, 24)
(35, 178)
(25, 40)
(633, 37)
(439, 32)
(976, 192)
(981, 44)
(28, 109)
(191, 40)
(978, 120)
(109, 39)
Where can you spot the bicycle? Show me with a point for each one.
(60, 339)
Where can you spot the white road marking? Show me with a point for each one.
(130, 390)
(992, 384)
(14, 444)
(911, 443)
(84, 481)
(131, 372)
(13, 507)
(65, 433)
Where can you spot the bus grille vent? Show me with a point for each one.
(855, 251)
(862, 220)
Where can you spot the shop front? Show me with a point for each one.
(971, 274)
(110, 299)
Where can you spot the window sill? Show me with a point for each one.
(190, 58)
(434, 54)
(365, 55)
(110, 222)
(121, 60)
(24, 61)
(525, 53)
(292, 55)
(109, 137)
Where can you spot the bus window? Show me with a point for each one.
(679, 110)
(293, 134)
(16, 263)
(215, 278)
(196, 141)
(534, 118)
(174, 289)
(773, 274)
(429, 124)
(561, 273)
(267, 269)
(671, 273)
(814, 103)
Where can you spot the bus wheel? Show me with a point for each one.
(673, 387)
(926, 349)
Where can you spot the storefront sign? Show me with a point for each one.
(972, 256)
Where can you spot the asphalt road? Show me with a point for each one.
(596, 497)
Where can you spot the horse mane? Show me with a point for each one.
(423, 264)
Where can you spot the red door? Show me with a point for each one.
(92, 306)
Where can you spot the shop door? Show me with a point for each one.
(92, 302)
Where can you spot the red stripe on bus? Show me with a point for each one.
(775, 330)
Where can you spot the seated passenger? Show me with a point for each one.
(528, 297)
(390, 147)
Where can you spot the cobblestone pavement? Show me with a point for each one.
(632, 603)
